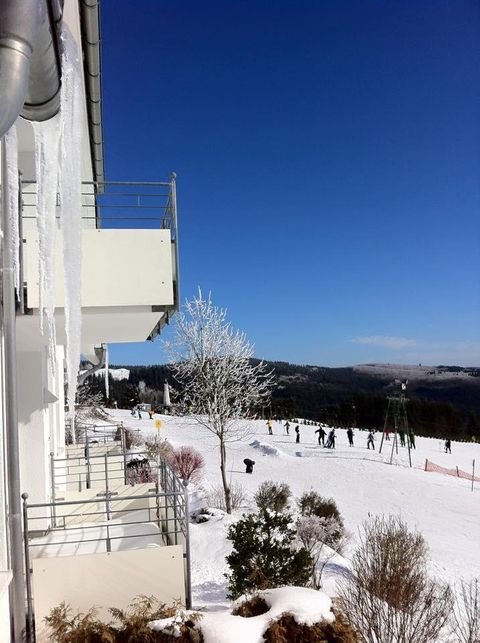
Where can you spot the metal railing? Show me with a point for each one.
(119, 204)
(89, 469)
(120, 523)
(114, 205)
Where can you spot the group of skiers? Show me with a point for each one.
(328, 440)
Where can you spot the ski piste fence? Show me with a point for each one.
(456, 472)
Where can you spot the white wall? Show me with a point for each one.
(106, 580)
(33, 425)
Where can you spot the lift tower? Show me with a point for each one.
(397, 411)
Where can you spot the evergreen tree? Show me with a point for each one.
(263, 553)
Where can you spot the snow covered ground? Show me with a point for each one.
(362, 482)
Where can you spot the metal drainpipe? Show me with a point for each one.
(17, 587)
(29, 62)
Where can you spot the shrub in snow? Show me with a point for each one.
(313, 504)
(319, 536)
(466, 612)
(287, 630)
(295, 614)
(205, 514)
(264, 554)
(132, 439)
(388, 595)
(272, 495)
(187, 463)
(156, 447)
(216, 497)
(221, 385)
(132, 624)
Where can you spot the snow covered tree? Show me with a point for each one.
(221, 384)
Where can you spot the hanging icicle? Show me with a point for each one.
(47, 137)
(107, 383)
(71, 207)
(13, 210)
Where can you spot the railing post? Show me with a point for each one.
(188, 576)
(175, 514)
(28, 579)
(123, 446)
(107, 504)
(87, 458)
(173, 192)
(52, 489)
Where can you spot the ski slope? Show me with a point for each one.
(362, 482)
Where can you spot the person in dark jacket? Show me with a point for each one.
(370, 441)
(411, 437)
(402, 438)
(287, 427)
(331, 440)
(297, 432)
(321, 435)
(249, 465)
(448, 446)
(350, 436)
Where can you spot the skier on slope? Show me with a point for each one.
(297, 431)
(350, 436)
(331, 440)
(321, 435)
(448, 446)
(287, 427)
(370, 441)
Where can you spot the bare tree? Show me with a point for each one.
(388, 595)
(221, 384)
(466, 612)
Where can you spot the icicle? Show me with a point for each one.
(107, 383)
(70, 207)
(12, 191)
(47, 135)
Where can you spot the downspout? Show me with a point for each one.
(17, 587)
(29, 79)
(29, 61)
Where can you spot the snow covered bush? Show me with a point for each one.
(272, 495)
(187, 463)
(221, 384)
(313, 504)
(294, 614)
(466, 612)
(388, 596)
(264, 553)
(319, 536)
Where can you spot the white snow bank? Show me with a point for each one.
(266, 449)
(307, 606)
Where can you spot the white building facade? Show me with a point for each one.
(121, 301)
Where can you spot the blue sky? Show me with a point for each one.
(328, 162)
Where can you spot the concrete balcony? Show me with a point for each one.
(129, 276)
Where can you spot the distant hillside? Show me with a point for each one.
(442, 399)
